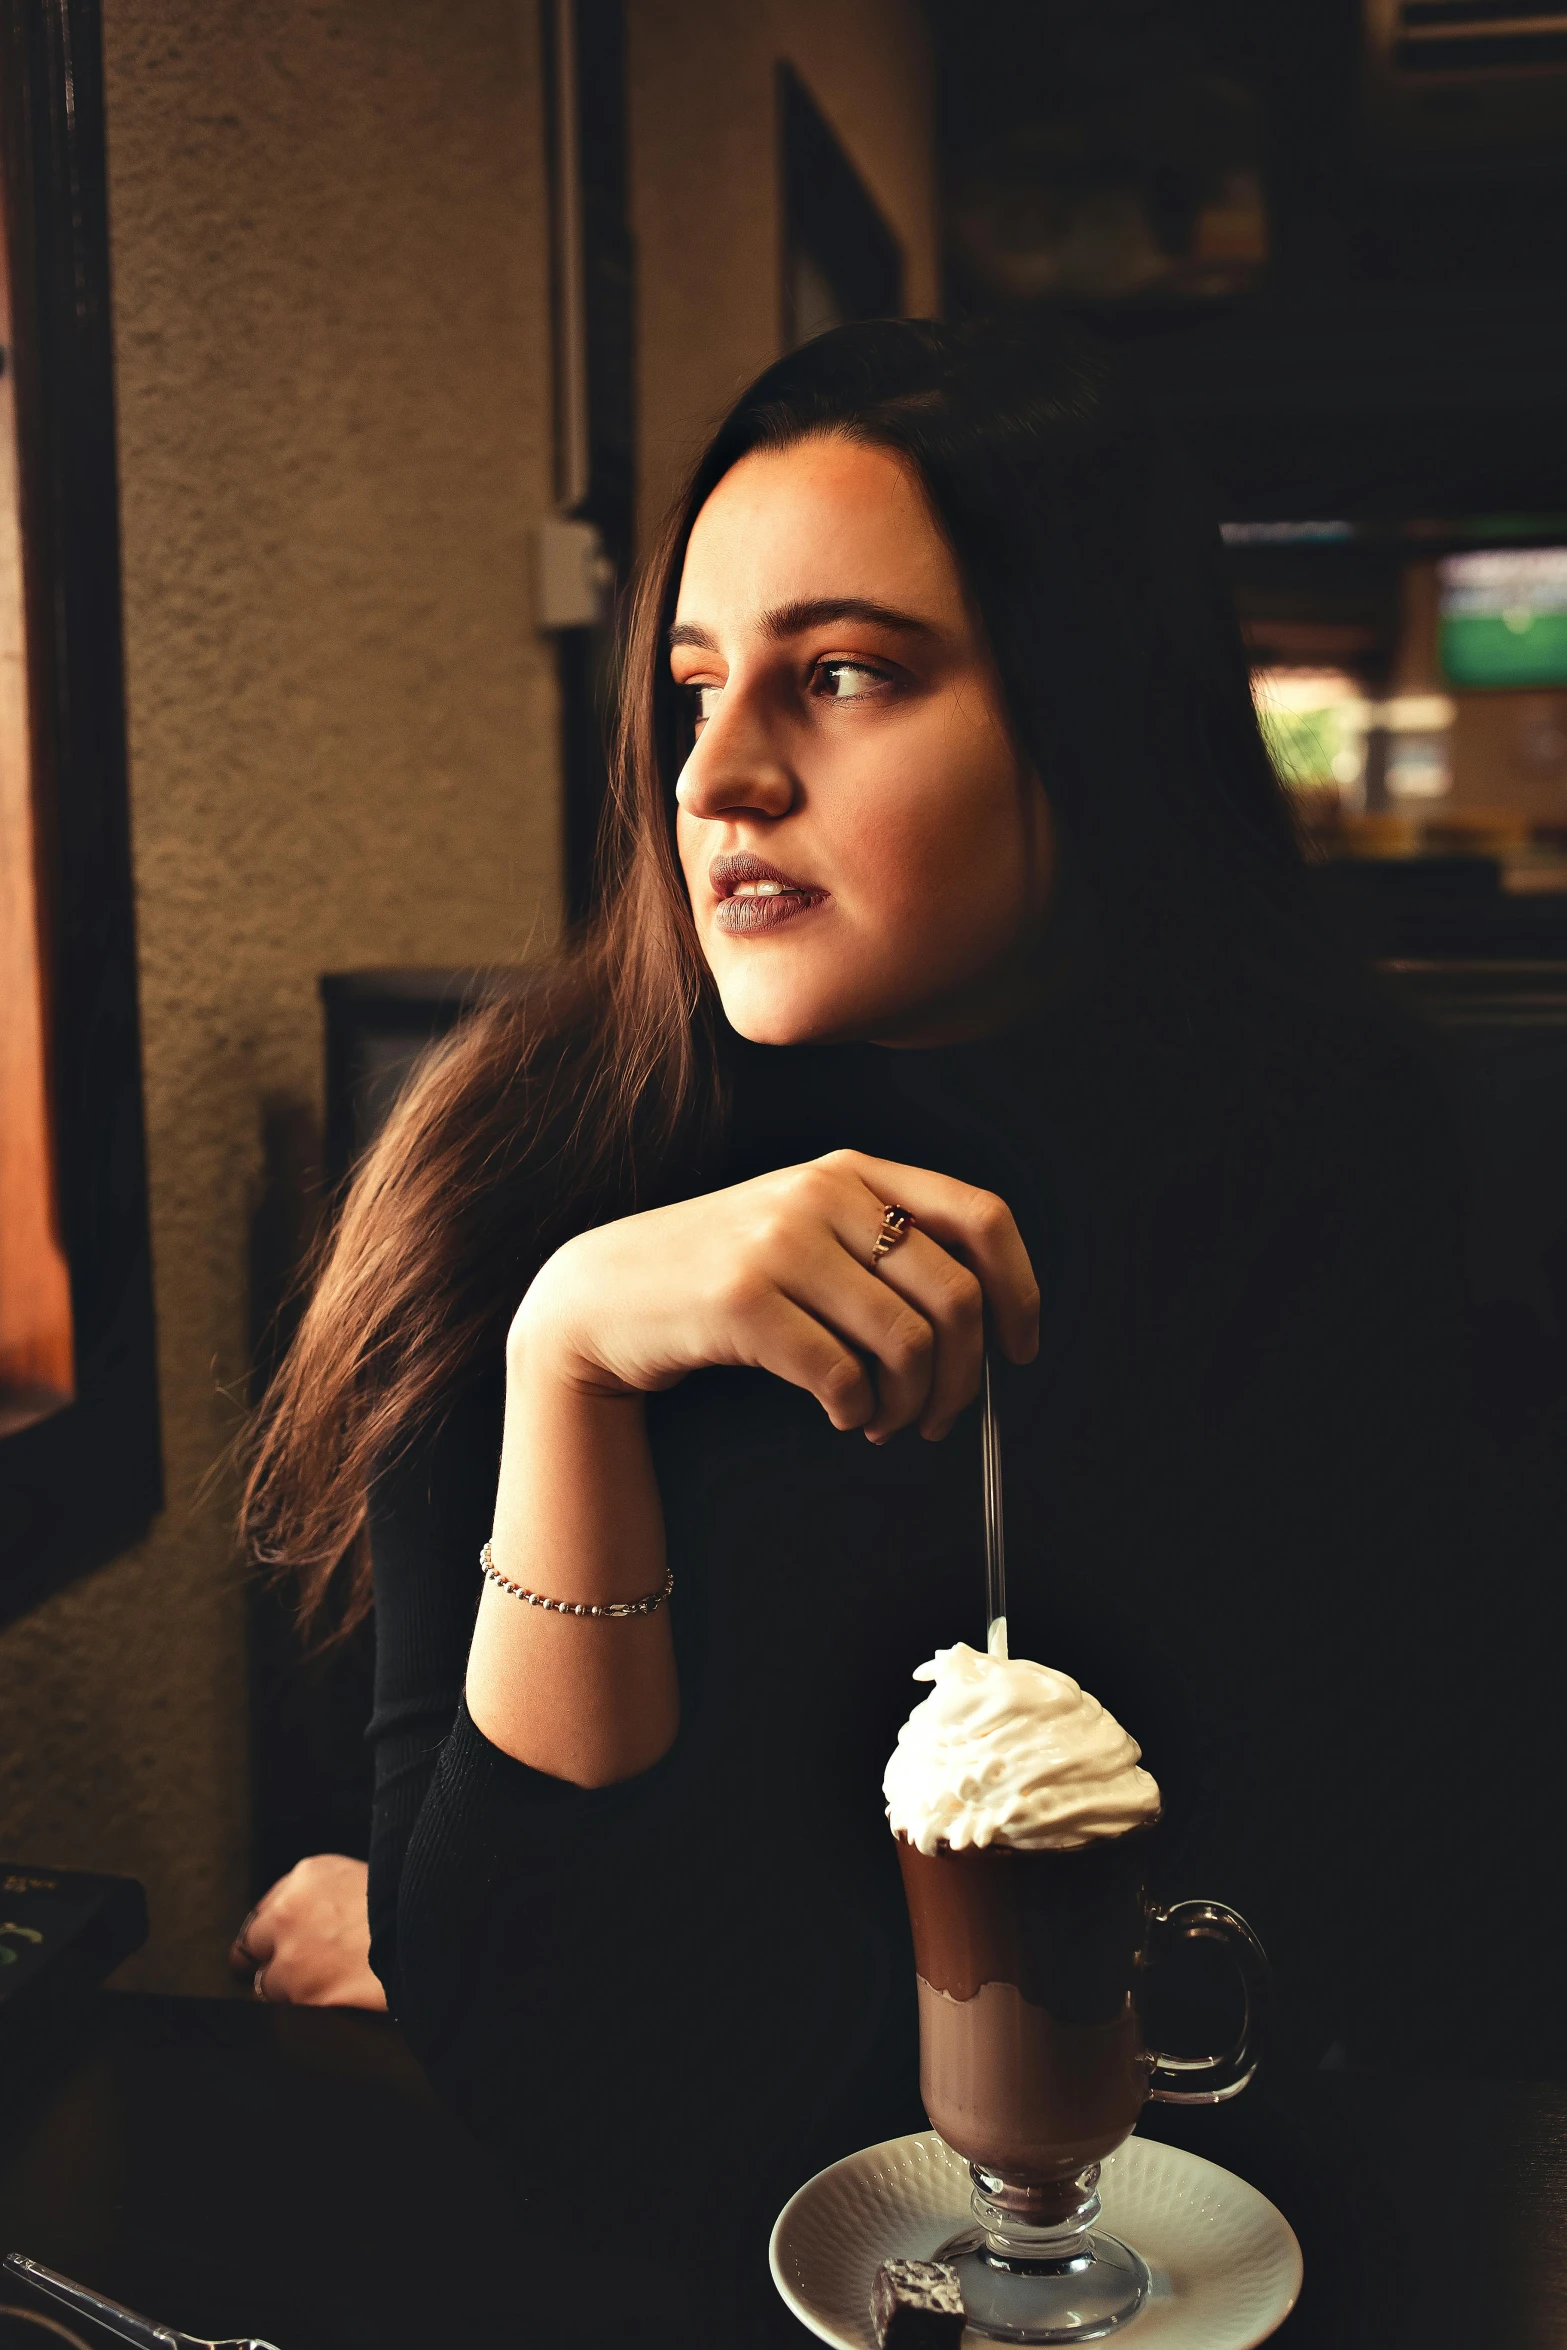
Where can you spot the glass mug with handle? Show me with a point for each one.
(1031, 1969)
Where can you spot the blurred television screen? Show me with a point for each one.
(1504, 617)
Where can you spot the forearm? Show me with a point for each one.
(775, 1275)
(577, 1515)
(556, 1959)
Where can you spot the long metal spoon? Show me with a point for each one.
(995, 1524)
(118, 2320)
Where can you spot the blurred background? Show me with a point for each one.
(413, 312)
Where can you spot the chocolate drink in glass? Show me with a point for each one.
(1024, 1826)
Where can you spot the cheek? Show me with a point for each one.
(944, 826)
(694, 855)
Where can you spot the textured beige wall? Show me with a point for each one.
(330, 261)
(330, 287)
(705, 193)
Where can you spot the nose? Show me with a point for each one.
(735, 768)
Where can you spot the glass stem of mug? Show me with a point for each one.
(1036, 2226)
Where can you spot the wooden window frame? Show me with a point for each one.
(83, 1480)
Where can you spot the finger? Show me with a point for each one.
(978, 1225)
(288, 1977)
(272, 1987)
(949, 1298)
(924, 1327)
(794, 1345)
(837, 1288)
(241, 1958)
(255, 1943)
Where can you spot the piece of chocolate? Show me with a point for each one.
(917, 2305)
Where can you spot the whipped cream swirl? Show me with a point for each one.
(1004, 1751)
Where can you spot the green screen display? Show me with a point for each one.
(1504, 618)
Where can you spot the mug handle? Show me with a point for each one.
(1210, 2080)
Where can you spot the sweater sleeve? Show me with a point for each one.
(579, 1970)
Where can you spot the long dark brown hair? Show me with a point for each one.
(597, 1087)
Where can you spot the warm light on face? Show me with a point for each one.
(864, 853)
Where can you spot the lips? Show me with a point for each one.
(754, 895)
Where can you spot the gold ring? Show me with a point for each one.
(258, 1986)
(896, 1225)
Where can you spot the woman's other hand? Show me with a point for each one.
(776, 1274)
(307, 1941)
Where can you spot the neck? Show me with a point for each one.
(1003, 1000)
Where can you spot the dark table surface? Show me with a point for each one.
(227, 2167)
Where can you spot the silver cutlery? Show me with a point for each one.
(124, 2322)
(995, 1525)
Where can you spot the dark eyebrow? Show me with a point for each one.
(794, 619)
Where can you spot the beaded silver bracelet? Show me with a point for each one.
(645, 1606)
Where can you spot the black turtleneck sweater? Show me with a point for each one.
(1238, 1511)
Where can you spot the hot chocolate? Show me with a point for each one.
(1022, 1824)
(1031, 2051)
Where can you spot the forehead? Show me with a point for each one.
(825, 518)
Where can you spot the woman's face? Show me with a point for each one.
(865, 852)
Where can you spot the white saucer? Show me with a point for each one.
(1226, 2266)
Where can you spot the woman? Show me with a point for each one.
(948, 874)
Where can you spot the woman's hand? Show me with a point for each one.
(307, 1941)
(776, 1274)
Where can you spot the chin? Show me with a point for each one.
(777, 1007)
(772, 1023)
(766, 1007)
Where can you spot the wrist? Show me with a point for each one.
(546, 1355)
(574, 1459)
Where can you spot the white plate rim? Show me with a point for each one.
(1153, 2147)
